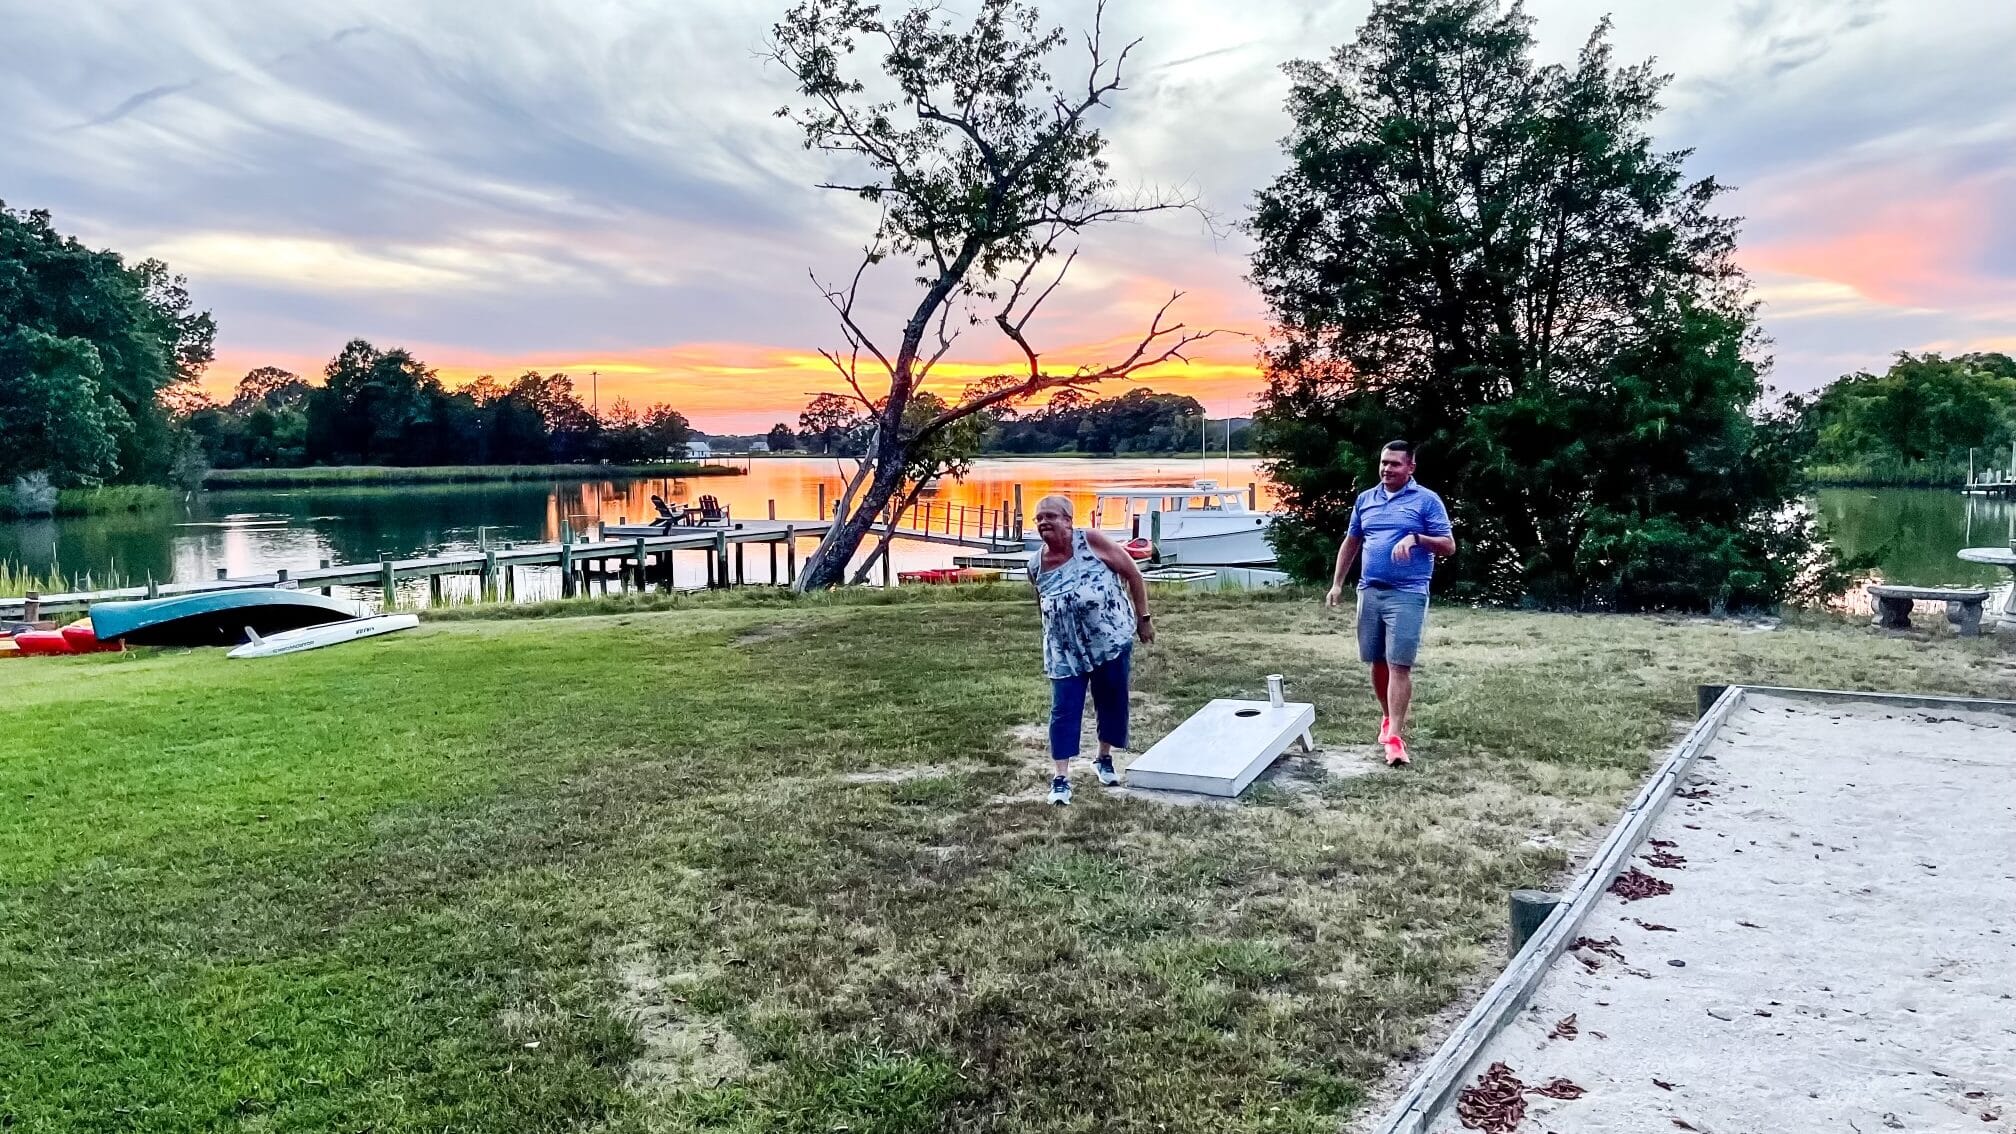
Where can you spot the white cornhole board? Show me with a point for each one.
(1222, 747)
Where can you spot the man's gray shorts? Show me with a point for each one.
(1390, 625)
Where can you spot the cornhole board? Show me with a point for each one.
(1223, 746)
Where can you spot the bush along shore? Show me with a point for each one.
(1889, 473)
(109, 500)
(367, 475)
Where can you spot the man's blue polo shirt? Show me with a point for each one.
(1382, 519)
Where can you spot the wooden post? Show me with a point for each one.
(791, 552)
(153, 588)
(773, 509)
(771, 545)
(1530, 910)
(220, 573)
(325, 567)
(1018, 513)
(643, 567)
(721, 559)
(1155, 536)
(822, 499)
(510, 584)
(1252, 497)
(389, 584)
(434, 590)
(741, 575)
(489, 576)
(566, 569)
(279, 576)
(31, 606)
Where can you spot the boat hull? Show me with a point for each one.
(218, 618)
(328, 634)
(1244, 547)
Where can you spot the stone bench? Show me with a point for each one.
(1963, 607)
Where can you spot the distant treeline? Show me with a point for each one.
(1139, 421)
(378, 407)
(1915, 423)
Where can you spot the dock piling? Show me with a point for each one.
(791, 552)
(1530, 910)
(719, 573)
(388, 583)
(489, 576)
(433, 590)
(31, 606)
(221, 573)
(566, 569)
(153, 588)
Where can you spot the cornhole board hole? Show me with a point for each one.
(1223, 746)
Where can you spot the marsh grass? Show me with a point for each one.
(506, 875)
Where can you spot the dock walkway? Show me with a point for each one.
(640, 556)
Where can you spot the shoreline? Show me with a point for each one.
(371, 475)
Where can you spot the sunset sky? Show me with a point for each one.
(592, 185)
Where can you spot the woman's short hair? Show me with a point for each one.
(1063, 504)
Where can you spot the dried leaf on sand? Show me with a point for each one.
(1635, 884)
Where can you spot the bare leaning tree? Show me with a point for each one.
(986, 170)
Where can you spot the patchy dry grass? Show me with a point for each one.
(747, 866)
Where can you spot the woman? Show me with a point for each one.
(1089, 626)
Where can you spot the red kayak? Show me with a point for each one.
(42, 643)
(1139, 548)
(84, 640)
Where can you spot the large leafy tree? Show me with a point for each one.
(1490, 258)
(89, 349)
(984, 168)
(1923, 408)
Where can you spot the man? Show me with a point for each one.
(1400, 527)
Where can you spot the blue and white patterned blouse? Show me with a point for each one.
(1087, 617)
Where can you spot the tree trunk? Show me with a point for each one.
(827, 565)
(903, 508)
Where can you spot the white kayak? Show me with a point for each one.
(327, 634)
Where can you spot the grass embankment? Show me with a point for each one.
(744, 868)
(105, 501)
(367, 475)
(1890, 474)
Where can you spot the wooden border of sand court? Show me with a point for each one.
(1444, 1073)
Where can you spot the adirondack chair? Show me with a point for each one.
(711, 511)
(668, 516)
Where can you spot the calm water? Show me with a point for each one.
(1913, 532)
(245, 532)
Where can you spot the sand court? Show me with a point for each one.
(1837, 950)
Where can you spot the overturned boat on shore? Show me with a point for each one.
(218, 618)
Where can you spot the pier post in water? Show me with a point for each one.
(389, 584)
(719, 574)
(566, 569)
(31, 606)
(741, 575)
(325, 590)
(643, 567)
(822, 499)
(153, 588)
(434, 590)
(489, 576)
(1018, 513)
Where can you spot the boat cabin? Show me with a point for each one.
(1124, 509)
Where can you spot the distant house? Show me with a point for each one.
(698, 450)
(759, 446)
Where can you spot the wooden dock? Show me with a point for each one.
(634, 559)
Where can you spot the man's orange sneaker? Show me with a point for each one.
(1396, 752)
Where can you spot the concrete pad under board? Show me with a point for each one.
(1223, 746)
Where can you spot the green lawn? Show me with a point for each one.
(762, 866)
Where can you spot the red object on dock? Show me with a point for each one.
(943, 575)
(1139, 548)
(84, 640)
(42, 643)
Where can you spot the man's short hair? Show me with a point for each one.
(1406, 447)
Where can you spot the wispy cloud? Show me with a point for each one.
(556, 182)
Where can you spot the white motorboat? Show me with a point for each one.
(327, 634)
(1188, 524)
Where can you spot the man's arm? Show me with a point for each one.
(1437, 536)
(1116, 557)
(1346, 556)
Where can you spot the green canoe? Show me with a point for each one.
(216, 618)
